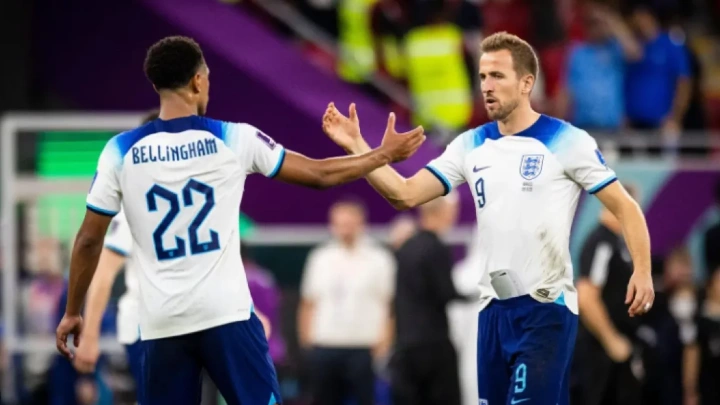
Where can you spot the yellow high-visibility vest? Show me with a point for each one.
(356, 60)
(394, 56)
(437, 76)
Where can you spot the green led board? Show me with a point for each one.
(66, 154)
(69, 154)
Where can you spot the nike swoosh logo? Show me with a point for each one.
(477, 169)
(517, 401)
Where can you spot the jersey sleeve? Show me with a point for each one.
(119, 238)
(257, 151)
(448, 167)
(105, 196)
(583, 162)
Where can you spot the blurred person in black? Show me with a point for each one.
(424, 367)
(711, 240)
(669, 335)
(709, 343)
(604, 352)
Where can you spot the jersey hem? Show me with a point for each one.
(116, 249)
(598, 187)
(278, 165)
(185, 330)
(101, 211)
(445, 182)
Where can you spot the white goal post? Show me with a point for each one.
(20, 188)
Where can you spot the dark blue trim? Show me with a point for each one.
(117, 250)
(278, 165)
(126, 140)
(101, 211)
(602, 185)
(445, 182)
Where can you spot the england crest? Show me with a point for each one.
(531, 166)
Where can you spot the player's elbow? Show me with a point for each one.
(87, 241)
(324, 182)
(401, 204)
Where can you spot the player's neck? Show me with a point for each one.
(174, 105)
(522, 118)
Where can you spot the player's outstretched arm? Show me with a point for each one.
(640, 294)
(402, 193)
(84, 260)
(324, 173)
(108, 268)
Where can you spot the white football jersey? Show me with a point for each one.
(119, 240)
(526, 189)
(180, 183)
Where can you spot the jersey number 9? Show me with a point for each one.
(480, 192)
(173, 199)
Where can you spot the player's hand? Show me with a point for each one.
(87, 354)
(618, 348)
(640, 293)
(69, 325)
(401, 146)
(344, 131)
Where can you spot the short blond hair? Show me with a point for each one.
(525, 60)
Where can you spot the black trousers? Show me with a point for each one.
(425, 374)
(600, 381)
(339, 374)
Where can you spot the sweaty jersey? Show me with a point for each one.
(180, 183)
(526, 189)
(119, 240)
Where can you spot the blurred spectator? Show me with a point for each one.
(323, 13)
(356, 59)
(401, 229)
(437, 73)
(695, 118)
(424, 367)
(606, 336)
(670, 333)
(390, 22)
(595, 72)
(711, 240)
(266, 299)
(709, 343)
(463, 319)
(658, 84)
(40, 298)
(343, 318)
(66, 385)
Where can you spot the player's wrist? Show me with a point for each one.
(358, 147)
(384, 154)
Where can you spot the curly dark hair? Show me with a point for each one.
(171, 62)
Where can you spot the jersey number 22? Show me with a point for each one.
(173, 199)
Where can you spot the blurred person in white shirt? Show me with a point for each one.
(346, 292)
(462, 317)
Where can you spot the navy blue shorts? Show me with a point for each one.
(135, 355)
(234, 355)
(524, 352)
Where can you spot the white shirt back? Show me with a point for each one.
(180, 183)
(526, 189)
(119, 240)
(352, 292)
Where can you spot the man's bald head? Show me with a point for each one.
(440, 214)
